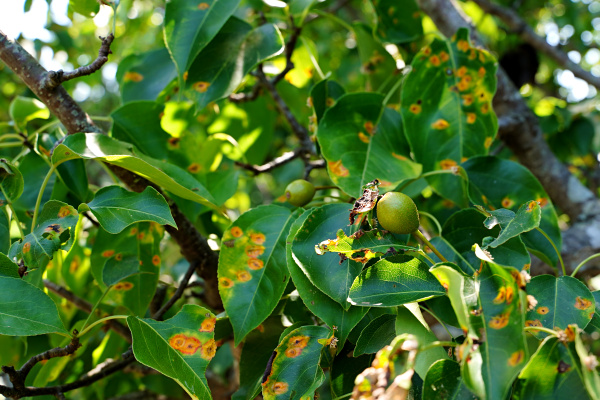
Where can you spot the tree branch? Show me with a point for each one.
(178, 293)
(521, 132)
(277, 162)
(55, 78)
(516, 24)
(80, 303)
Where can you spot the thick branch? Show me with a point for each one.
(516, 24)
(35, 77)
(58, 77)
(521, 132)
(80, 303)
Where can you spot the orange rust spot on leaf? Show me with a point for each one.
(570, 333)
(499, 321)
(236, 231)
(535, 322)
(255, 263)
(64, 211)
(485, 108)
(194, 168)
(258, 238)
(488, 142)
(278, 388)
(516, 358)
(415, 108)
(481, 72)
(108, 253)
(338, 169)
(209, 350)
(582, 304)
(329, 101)
(254, 251)
(471, 118)
(131, 76)
(201, 87)
(156, 260)
(463, 45)
(298, 341)
(501, 296)
(119, 257)
(440, 124)
(363, 138)
(123, 286)
(399, 157)
(448, 164)
(133, 231)
(434, 60)
(542, 201)
(461, 71)
(177, 341)
(203, 6)
(225, 283)
(244, 276)
(507, 202)
(190, 346)
(531, 206)
(542, 310)
(510, 294)
(369, 127)
(293, 352)
(427, 51)
(444, 56)
(74, 265)
(467, 99)
(173, 143)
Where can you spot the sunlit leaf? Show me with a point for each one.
(11, 182)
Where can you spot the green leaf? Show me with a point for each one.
(25, 310)
(25, 109)
(443, 381)
(323, 306)
(394, 281)
(324, 95)
(498, 183)
(380, 332)
(190, 25)
(594, 325)
(118, 268)
(398, 23)
(460, 291)
(220, 68)
(4, 231)
(344, 370)
(125, 155)
(116, 208)
(180, 347)
(527, 218)
(143, 76)
(378, 66)
(551, 373)
(295, 367)
(252, 269)
(447, 108)
(34, 169)
(560, 302)
(87, 8)
(327, 272)
(256, 352)
(11, 182)
(8, 268)
(75, 178)
(54, 230)
(361, 140)
(589, 365)
(450, 254)
(362, 246)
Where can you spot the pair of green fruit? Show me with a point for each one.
(396, 211)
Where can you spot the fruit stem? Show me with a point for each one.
(419, 235)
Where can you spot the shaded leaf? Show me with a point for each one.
(594, 324)
(324, 95)
(394, 281)
(398, 23)
(560, 302)
(25, 310)
(143, 76)
(8, 268)
(252, 269)
(361, 141)
(380, 332)
(378, 66)
(11, 182)
(118, 268)
(180, 347)
(116, 208)
(220, 68)
(443, 381)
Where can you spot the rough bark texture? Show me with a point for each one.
(520, 130)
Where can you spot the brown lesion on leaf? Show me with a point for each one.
(367, 201)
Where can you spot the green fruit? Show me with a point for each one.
(397, 213)
(299, 192)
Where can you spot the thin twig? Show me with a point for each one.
(289, 50)
(246, 97)
(55, 78)
(277, 162)
(178, 293)
(516, 24)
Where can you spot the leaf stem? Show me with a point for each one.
(562, 264)
(40, 195)
(101, 320)
(541, 329)
(12, 212)
(335, 19)
(437, 319)
(10, 144)
(11, 136)
(438, 343)
(419, 235)
(583, 262)
(434, 219)
(83, 329)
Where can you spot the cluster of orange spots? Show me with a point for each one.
(462, 45)
(124, 286)
(295, 346)
(225, 283)
(258, 238)
(236, 231)
(255, 263)
(156, 260)
(531, 206)
(187, 345)
(444, 56)
(464, 83)
(448, 164)
(516, 358)
(131, 76)
(499, 321)
(461, 71)
(542, 310)
(208, 325)
(507, 202)
(440, 124)
(209, 350)
(363, 138)
(505, 294)
(108, 253)
(64, 211)
(194, 168)
(415, 108)
(542, 201)
(582, 304)
(201, 86)
(173, 142)
(338, 169)
(471, 118)
(534, 323)
(488, 142)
